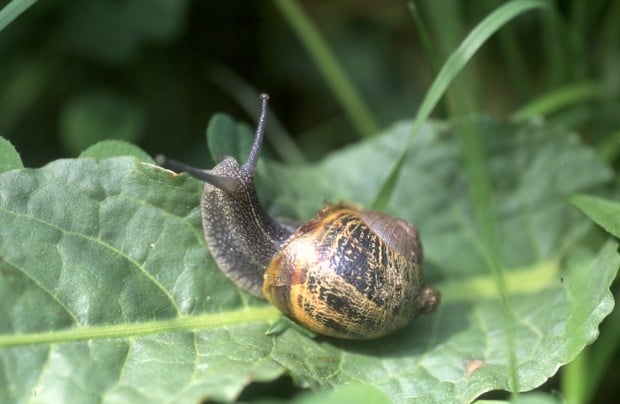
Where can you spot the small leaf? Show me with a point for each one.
(9, 157)
(604, 212)
(116, 148)
(228, 138)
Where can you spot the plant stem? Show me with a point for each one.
(574, 377)
(346, 94)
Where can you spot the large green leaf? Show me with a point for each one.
(109, 294)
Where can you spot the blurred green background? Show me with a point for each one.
(153, 73)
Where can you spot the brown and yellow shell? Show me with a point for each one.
(337, 276)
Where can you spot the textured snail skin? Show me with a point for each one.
(338, 277)
(346, 273)
(240, 235)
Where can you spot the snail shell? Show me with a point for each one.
(349, 274)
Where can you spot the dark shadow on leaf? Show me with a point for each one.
(422, 334)
(282, 388)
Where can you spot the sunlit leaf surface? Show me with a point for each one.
(109, 294)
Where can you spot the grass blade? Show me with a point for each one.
(455, 63)
(346, 94)
(560, 98)
(13, 10)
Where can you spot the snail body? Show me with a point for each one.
(346, 273)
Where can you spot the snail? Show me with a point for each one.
(346, 273)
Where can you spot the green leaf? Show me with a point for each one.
(117, 299)
(226, 137)
(116, 148)
(348, 393)
(530, 398)
(9, 157)
(604, 212)
(100, 115)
